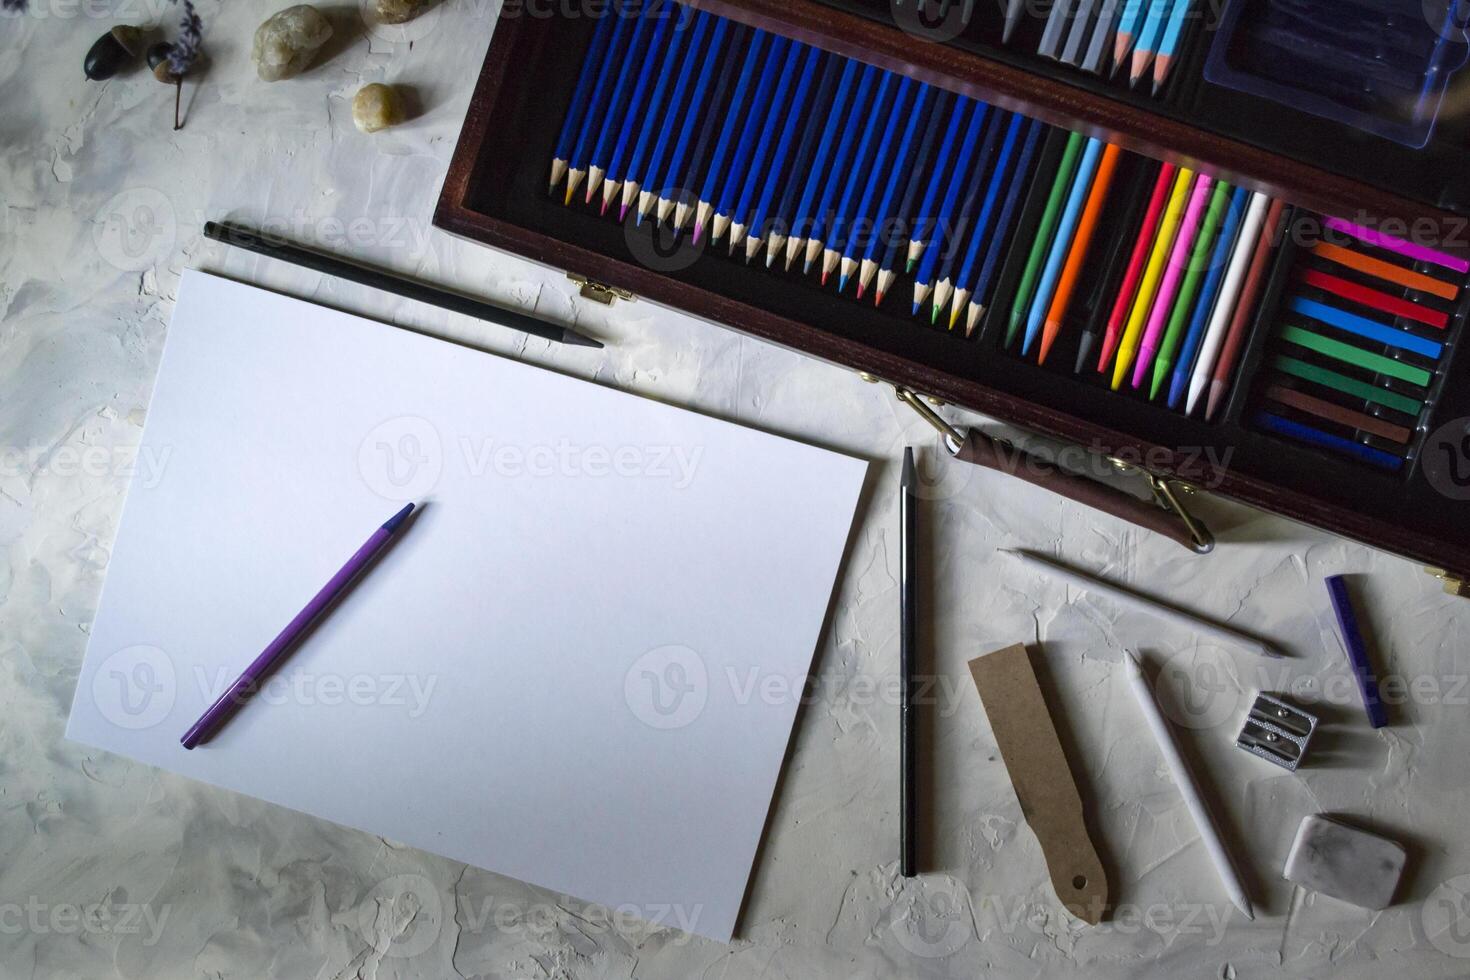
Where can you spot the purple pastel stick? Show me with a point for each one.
(237, 693)
(1408, 250)
(1357, 650)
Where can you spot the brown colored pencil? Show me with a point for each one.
(1255, 279)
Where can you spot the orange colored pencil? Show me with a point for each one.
(1141, 249)
(1096, 198)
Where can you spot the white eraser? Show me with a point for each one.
(1349, 864)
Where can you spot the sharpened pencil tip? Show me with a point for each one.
(842, 283)
(908, 478)
(908, 268)
(569, 336)
(623, 213)
(916, 310)
(698, 233)
(567, 202)
(393, 523)
(860, 289)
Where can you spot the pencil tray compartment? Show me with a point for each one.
(496, 193)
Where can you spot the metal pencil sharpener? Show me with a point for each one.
(1277, 732)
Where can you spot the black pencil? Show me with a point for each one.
(908, 625)
(275, 248)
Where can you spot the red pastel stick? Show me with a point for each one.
(1374, 299)
(1136, 263)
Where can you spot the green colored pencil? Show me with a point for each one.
(1042, 242)
(1199, 263)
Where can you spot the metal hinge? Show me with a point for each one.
(599, 292)
(1453, 584)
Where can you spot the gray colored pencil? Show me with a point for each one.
(1072, 52)
(1056, 26)
(1102, 36)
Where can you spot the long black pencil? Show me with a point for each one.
(272, 247)
(908, 628)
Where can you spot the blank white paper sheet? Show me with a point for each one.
(579, 665)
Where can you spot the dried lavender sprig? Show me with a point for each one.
(185, 49)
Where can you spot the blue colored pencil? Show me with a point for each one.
(594, 121)
(779, 175)
(969, 175)
(1149, 38)
(734, 115)
(897, 237)
(822, 107)
(1170, 44)
(801, 217)
(760, 111)
(777, 112)
(837, 175)
(617, 119)
(897, 169)
(1061, 242)
(1020, 174)
(680, 195)
(678, 103)
(576, 117)
(1129, 27)
(652, 113)
(1205, 303)
(959, 171)
(884, 163)
(942, 168)
(976, 230)
(862, 165)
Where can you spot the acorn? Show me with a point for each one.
(158, 62)
(112, 52)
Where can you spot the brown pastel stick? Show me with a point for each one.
(1303, 402)
(1038, 768)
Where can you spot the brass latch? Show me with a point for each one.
(1169, 493)
(599, 292)
(1453, 584)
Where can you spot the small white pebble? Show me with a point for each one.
(375, 107)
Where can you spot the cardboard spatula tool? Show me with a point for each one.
(1038, 768)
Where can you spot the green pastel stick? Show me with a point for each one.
(1348, 386)
(1199, 263)
(1356, 356)
(1042, 242)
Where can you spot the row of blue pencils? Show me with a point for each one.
(732, 133)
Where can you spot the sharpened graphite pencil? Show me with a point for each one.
(1204, 247)
(858, 174)
(975, 206)
(1061, 240)
(618, 119)
(942, 174)
(1142, 248)
(1246, 247)
(779, 174)
(577, 112)
(861, 230)
(1203, 309)
(595, 120)
(1173, 276)
(735, 113)
(896, 239)
(1097, 196)
(838, 175)
(801, 220)
(681, 194)
(944, 219)
(784, 218)
(660, 184)
(1042, 242)
(654, 113)
(896, 172)
(760, 110)
(1020, 177)
(1148, 286)
(777, 110)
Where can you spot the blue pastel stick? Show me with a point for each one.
(897, 171)
(882, 167)
(1021, 174)
(979, 235)
(1363, 327)
(602, 93)
(777, 174)
(776, 112)
(960, 170)
(733, 116)
(678, 102)
(861, 166)
(1204, 305)
(760, 111)
(824, 106)
(992, 194)
(1326, 440)
(655, 62)
(654, 114)
(941, 168)
(617, 118)
(1357, 648)
(818, 169)
(592, 68)
(1061, 242)
(837, 174)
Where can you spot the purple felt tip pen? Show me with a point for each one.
(239, 692)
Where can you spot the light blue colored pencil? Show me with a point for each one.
(734, 115)
(678, 102)
(1169, 46)
(1129, 27)
(1149, 37)
(777, 111)
(1061, 242)
(760, 111)
(574, 123)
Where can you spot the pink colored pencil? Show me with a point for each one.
(1136, 263)
(1158, 315)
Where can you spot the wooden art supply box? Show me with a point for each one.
(496, 193)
